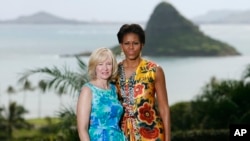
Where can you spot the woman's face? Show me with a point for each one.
(131, 46)
(104, 69)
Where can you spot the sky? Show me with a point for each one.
(113, 10)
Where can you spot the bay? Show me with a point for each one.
(24, 47)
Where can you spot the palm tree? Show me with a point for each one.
(26, 87)
(3, 126)
(61, 81)
(42, 87)
(14, 118)
(10, 90)
(68, 80)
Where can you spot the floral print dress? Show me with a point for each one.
(141, 120)
(105, 115)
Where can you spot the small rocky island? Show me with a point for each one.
(168, 33)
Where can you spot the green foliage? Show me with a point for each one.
(246, 74)
(45, 129)
(68, 124)
(221, 103)
(12, 119)
(60, 80)
(43, 121)
(181, 116)
(201, 135)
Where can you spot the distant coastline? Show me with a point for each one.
(223, 17)
(47, 18)
(211, 17)
(43, 18)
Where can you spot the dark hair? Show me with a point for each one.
(131, 28)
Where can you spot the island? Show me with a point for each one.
(168, 34)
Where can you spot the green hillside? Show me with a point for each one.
(168, 33)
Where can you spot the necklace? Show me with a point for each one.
(127, 89)
(129, 70)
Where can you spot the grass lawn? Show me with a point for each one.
(37, 123)
(43, 121)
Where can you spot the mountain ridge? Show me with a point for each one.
(211, 17)
(41, 18)
(223, 17)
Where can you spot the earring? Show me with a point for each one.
(122, 55)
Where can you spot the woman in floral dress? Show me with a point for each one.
(142, 88)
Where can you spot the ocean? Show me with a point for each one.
(24, 47)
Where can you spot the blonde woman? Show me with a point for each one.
(98, 108)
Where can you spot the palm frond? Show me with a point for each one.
(246, 73)
(81, 64)
(71, 81)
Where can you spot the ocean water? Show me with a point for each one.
(24, 47)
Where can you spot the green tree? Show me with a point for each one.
(10, 90)
(14, 118)
(68, 124)
(223, 102)
(61, 81)
(58, 78)
(42, 88)
(220, 103)
(3, 126)
(26, 87)
(181, 116)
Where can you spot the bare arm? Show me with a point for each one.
(162, 98)
(83, 113)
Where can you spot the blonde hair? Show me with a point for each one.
(100, 55)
